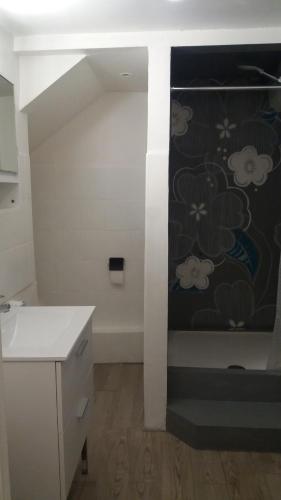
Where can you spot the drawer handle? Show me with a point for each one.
(82, 408)
(82, 348)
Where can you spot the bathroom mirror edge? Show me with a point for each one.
(8, 138)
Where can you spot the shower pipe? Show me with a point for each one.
(202, 89)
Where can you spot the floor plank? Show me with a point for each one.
(128, 463)
(177, 471)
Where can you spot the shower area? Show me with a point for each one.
(224, 245)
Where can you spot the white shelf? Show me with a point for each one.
(9, 177)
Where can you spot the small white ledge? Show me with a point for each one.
(9, 177)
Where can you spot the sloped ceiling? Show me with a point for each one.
(6, 88)
(61, 101)
(99, 72)
(38, 72)
(108, 64)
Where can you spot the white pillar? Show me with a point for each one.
(156, 237)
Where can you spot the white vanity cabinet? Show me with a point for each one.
(49, 405)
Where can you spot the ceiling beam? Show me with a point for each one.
(91, 41)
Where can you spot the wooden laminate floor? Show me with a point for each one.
(128, 463)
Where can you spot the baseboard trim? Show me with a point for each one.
(118, 345)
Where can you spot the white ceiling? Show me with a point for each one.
(84, 83)
(108, 64)
(139, 15)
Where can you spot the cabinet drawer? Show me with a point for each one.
(77, 430)
(74, 372)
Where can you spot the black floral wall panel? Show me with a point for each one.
(225, 209)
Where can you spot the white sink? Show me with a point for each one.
(41, 333)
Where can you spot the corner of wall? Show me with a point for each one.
(17, 270)
(38, 72)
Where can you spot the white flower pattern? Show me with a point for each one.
(198, 210)
(225, 128)
(194, 273)
(235, 310)
(210, 164)
(239, 325)
(181, 115)
(250, 167)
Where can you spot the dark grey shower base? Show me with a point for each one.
(225, 409)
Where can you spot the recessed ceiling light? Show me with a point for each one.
(126, 74)
(34, 7)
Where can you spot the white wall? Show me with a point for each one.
(88, 186)
(61, 100)
(38, 74)
(156, 325)
(8, 148)
(36, 44)
(16, 241)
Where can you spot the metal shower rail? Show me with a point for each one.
(224, 88)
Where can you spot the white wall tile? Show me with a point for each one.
(47, 277)
(46, 245)
(16, 232)
(76, 275)
(16, 269)
(44, 182)
(88, 184)
(70, 182)
(114, 310)
(16, 227)
(124, 215)
(89, 244)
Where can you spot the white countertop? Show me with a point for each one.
(42, 333)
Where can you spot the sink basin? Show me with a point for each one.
(41, 333)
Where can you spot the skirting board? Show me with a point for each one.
(118, 346)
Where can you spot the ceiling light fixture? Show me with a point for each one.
(34, 7)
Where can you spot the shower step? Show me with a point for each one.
(224, 384)
(226, 425)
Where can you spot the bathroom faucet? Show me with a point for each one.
(4, 307)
